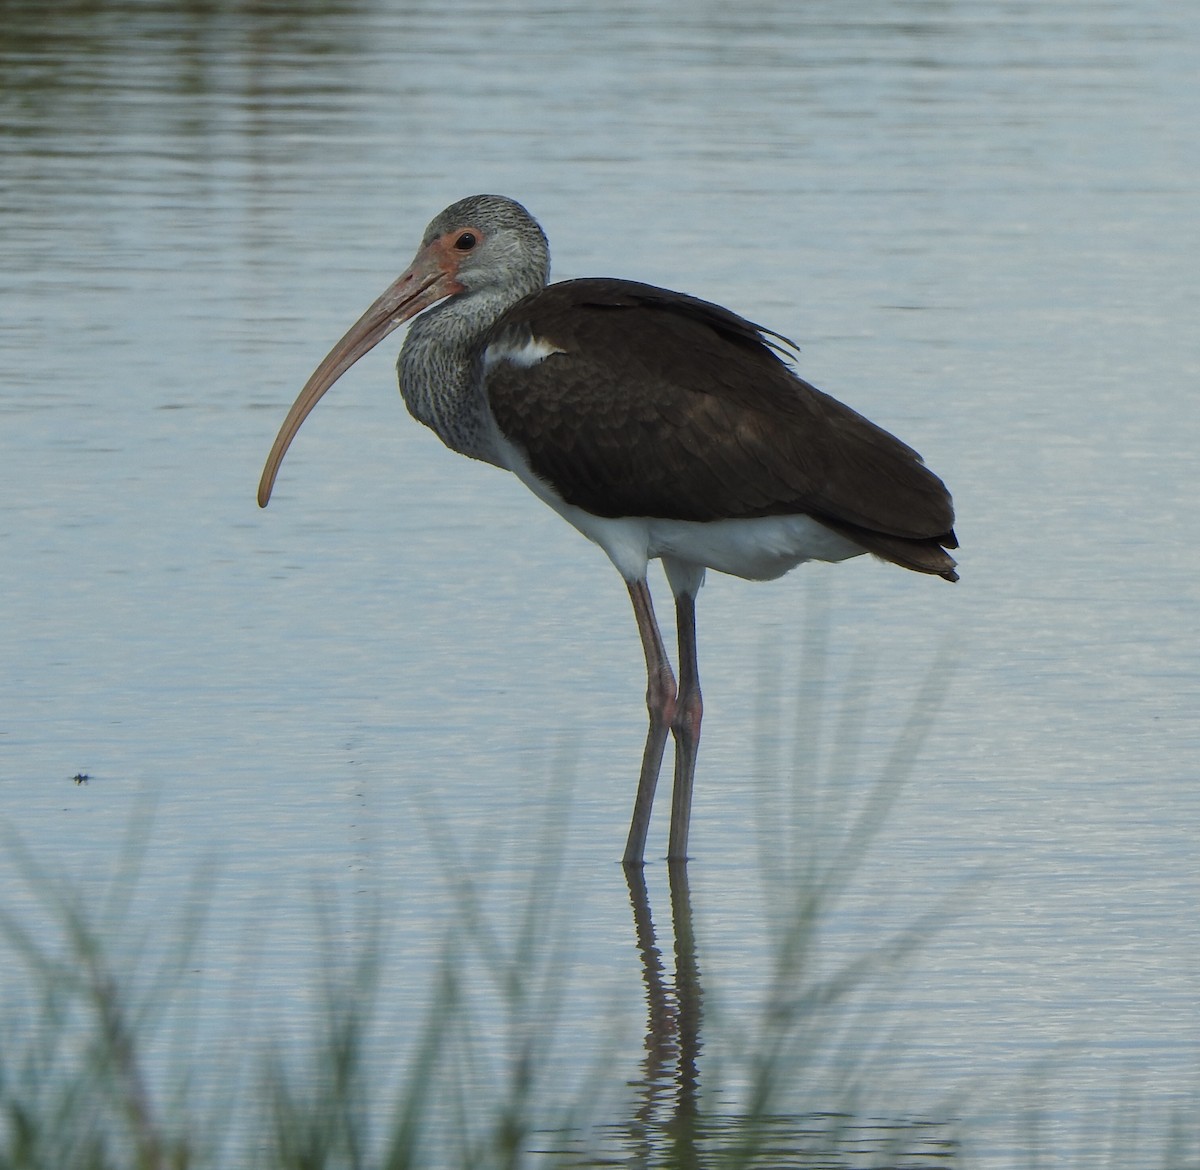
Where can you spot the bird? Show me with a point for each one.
(661, 426)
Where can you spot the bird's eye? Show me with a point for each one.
(466, 242)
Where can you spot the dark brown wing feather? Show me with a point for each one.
(668, 406)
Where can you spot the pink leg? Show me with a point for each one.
(661, 705)
(689, 709)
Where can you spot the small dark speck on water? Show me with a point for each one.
(81, 777)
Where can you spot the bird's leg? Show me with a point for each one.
(689, 709)
(660, 703)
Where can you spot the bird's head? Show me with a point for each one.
(485, 243)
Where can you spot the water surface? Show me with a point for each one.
(979, 223)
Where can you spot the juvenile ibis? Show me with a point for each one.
(661, 426)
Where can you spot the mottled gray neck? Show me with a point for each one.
(439, 369)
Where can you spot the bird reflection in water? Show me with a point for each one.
(667, 1125)
(668, 1090)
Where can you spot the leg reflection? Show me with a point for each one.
(670, 1084)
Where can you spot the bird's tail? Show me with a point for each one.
(926, 554)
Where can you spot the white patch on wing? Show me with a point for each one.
(523, 354)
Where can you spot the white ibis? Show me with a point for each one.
(661, 426)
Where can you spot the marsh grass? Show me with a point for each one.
(97, 1066)
(79, 1084)
(95, 1074)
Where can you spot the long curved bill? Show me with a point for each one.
(427, 281)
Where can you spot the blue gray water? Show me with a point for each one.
(978, 221)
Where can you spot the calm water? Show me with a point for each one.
(978, 220)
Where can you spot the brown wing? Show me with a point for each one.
(664, 405)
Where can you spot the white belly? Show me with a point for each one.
(757, 549)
